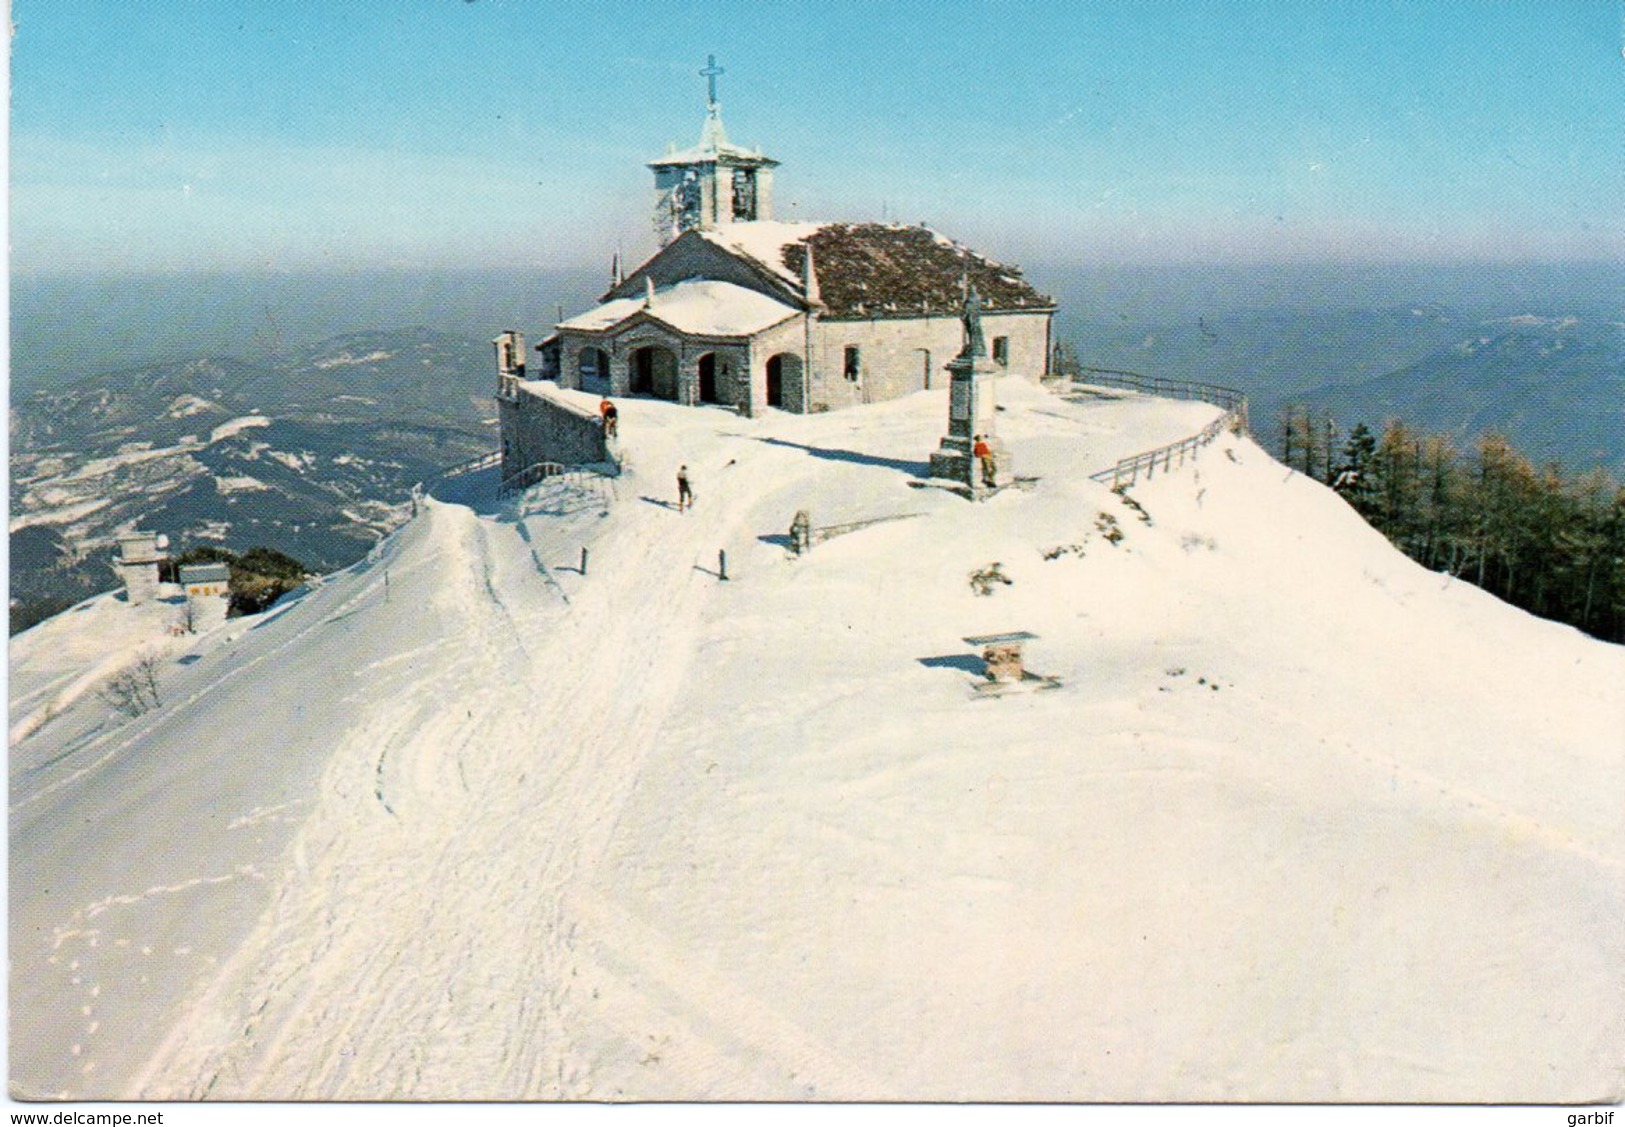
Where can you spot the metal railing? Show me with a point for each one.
(1127, 470)
(472, 465)
(523, 479)
(1231, 399)
(538, 472)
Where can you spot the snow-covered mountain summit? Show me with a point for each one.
(1303, 821)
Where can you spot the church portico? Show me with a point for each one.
(654, 369)
(722, 375)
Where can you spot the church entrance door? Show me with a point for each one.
(775, 382)
(708, 378)
(654, 372)
(778, 367)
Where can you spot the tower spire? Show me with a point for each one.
(710, 75)
(715, 181)
(713, 137)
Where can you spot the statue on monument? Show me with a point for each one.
(971, 318)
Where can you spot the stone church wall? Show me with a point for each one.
(1029, 341)
(894, 354)
(732, 373)
(538, 428)
(790, 339)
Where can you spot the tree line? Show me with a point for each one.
(1539, 538)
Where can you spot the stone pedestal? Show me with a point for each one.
(970, 413)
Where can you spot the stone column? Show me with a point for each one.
(755, 383)
(688, 379)
(620, 372)
(722, 189)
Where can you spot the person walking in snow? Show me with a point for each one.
(984, 454)
(607, 410)
(685, 494)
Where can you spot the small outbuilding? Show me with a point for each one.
(139, 557)
(206, 580)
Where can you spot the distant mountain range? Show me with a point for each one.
(1553, 384)
(312, 452)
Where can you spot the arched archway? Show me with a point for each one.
(592, 364)
(654, 372)
(784, 380)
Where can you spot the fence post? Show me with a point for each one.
(583, 559)
(722, 565)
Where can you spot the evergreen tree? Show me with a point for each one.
(1352, 477)
(1441, 542)
(1064, 362)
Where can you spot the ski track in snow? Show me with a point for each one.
(491, 763)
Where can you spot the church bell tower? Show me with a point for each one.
(713, 182)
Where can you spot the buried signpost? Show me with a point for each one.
(1005, 671)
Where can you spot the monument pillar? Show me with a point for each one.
(971, 410)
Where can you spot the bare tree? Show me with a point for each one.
(133, 690)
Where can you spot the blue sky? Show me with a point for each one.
(355, 134)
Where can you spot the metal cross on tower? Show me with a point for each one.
(710, 74)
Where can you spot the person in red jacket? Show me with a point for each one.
(984, 454)
(607, 410)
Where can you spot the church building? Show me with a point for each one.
(744, 311)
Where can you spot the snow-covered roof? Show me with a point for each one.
(205, 573)
(604, 316)
(880, 269)
(698, 307)
(764, 242)
(714, 144)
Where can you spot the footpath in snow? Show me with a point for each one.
(1302, 822)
